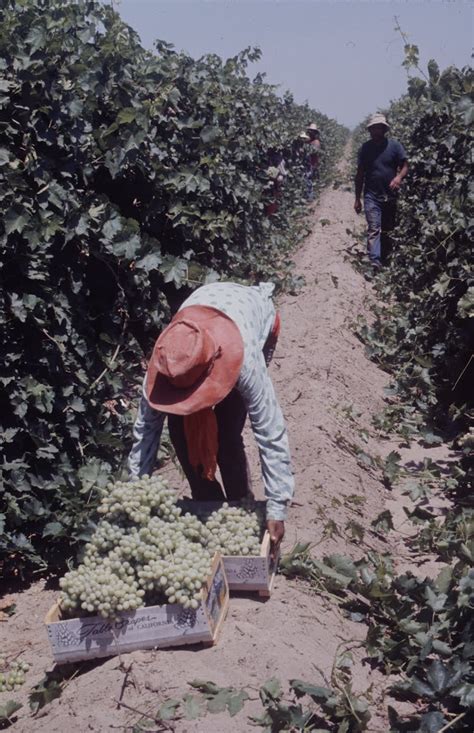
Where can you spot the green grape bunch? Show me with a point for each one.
(180, 581)
(12, 675)
(139, 500)
(235, 530)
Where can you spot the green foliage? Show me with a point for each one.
(423, 334)
(421, 629)
(383, 523)
(336, 706)
(220, 699)
(212, 699)
(47, 690)
(7, 713)
(127, 178)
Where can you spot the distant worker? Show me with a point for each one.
(314, 158)
(315, 148)
(301, 156)
(381, 166)
(276, 173)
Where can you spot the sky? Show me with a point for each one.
(341, 56)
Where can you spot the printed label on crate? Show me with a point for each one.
(152, 624)
(246, 570)
(216, 597)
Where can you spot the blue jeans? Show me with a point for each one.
(312, 176)
(309, 185)
(380, 217)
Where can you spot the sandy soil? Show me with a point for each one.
(329, 392)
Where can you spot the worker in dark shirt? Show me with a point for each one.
(382, 165)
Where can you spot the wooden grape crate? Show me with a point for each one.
(252, 573)
(248, 573)
(145, 628)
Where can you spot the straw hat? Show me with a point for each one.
(196, 361)
(313, 127)
(378, 119)
(303, 136)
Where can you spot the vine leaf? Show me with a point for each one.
(47, 690)
(8, 709)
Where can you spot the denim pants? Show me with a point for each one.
(309, 185)
(380, 217)
(231, 414)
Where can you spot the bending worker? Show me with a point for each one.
(208, 370)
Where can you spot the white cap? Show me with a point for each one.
(378, 119)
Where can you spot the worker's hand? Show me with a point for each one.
(395, 183)
(358, 206)
(276, 530)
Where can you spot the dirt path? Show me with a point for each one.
(329, 392)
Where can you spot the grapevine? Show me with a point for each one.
(162, 190)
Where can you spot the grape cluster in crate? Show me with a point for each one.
(147, 551)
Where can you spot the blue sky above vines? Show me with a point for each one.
(343, 57)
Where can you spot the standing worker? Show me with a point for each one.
(208, 370)
(314, 158)
(276, 173)
(381, 166)
(301, 151)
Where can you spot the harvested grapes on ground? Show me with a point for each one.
(12, 674)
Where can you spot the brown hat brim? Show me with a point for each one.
(213, 386)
